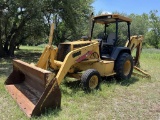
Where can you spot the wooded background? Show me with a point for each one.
(28, 23)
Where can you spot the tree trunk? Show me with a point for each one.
(9, 37)
(6, 44)
(2, 53)
(11, 49)
(1, 46)
(12, 45)
(9, 45)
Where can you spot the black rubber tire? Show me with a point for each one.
(120, 66)
(86, 77)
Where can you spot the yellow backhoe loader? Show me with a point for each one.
(35, 88)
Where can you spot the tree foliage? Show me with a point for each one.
(24, 22)
(16, 19)
(28, 22)
(154, 33)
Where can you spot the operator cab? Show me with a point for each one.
(109, 41)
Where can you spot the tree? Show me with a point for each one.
(15, 16)
(140, 24)
(154, 36)
(23, 21)
(71, 19)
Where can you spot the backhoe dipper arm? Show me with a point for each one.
(135, 43)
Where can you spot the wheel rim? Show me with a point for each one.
(93, 82)
(127, 67)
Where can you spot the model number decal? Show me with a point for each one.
(76, 54)
(84, 56)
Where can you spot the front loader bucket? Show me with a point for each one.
(30, 87)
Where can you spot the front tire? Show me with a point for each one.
(91, 79)
(124, 66)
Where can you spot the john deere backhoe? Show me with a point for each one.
(35, 88)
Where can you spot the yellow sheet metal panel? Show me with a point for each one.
(79, 42)
(111, 18)
(104, 67)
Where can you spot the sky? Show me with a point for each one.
(126, 6)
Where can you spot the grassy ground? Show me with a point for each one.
(136, 99)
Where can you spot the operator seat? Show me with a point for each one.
(107, 46)
(111, 39)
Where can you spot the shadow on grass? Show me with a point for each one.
(73, 84)
(77, 86)
(24, 55)
(112, 80)
(28, 56)
(47, 113)
(6, 69)
(71, 88)
(128, 82)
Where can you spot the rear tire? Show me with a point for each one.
(91, 79)
(124, 66)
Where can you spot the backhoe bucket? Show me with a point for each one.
(31, 88)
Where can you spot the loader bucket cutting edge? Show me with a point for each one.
(27, 85)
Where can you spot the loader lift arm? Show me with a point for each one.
(68, 61)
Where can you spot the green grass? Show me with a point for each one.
(136, 99)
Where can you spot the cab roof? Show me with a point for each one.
(110, 18)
